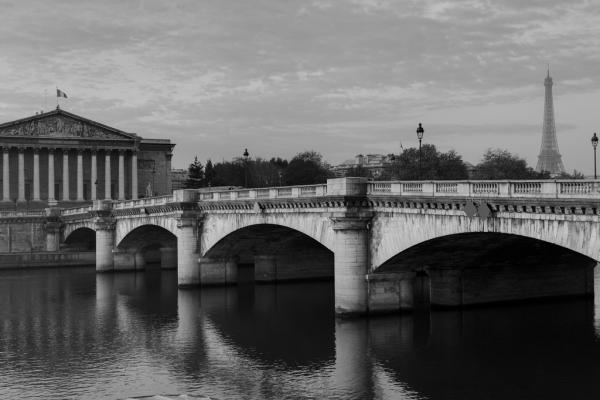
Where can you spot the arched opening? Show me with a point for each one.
(81, 239)
(268, 252)
(477, 268)
(146, 246)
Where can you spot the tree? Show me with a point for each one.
(306, 168)
(433, 165)
(575, 175)
(209, 173)
(195, 177)
(501, 164)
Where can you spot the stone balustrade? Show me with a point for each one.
(501, 189)
(284, 192)
(560, 189)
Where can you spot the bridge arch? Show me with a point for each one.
(124, 226)
(82, 238)
(276, 252)
(71, 227)
(147, 237)
(216, 227)
(393, 235)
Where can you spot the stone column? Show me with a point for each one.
(134, 176)
(350, 264)
(79, 175)
(188, 271)
(265, 268)
(107, 194)
(65, 174)
(94, 176)
(5, 175)
(21, 192)
(105, 238)
(121, 175)
(36, 174)
(51, 195)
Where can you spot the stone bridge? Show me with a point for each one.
(387, 245)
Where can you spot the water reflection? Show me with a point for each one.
(70, 333)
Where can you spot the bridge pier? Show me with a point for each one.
(168, 258)
(350, 264)
(124, 260)
(105, 238)
(391, 292)
(265, 268)
(217, 271)
(188, 271)
(471, 286)
(52, 236)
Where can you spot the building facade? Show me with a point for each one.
(374, 163)
(59, 158)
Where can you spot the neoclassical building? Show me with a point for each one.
(61, 158)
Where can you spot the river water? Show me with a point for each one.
(69, 333)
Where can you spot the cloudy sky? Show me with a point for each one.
(340, 77)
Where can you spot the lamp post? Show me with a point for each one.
(594, 144)
(420, 132)
(245, 155)
(153, 180)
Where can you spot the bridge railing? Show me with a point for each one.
(523, 188)
(282, 192)
(76, 210)
(145, 202)
(22, 213)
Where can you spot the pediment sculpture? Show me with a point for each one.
(59, 126)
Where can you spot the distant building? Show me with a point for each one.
(549, 159)
(178, 178)
(374, 163)
(57, 157)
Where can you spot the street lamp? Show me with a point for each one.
(153, 178)
(420, 132)
(245, 155)
(594, 144)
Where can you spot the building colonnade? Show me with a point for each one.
(87, 162)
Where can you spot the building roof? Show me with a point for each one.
(47, 124)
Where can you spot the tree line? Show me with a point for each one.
(308, 167)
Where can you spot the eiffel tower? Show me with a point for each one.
(549, 159)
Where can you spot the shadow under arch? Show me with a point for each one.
(294, 254)
(81, 239)
(145, 243)
(477, 268)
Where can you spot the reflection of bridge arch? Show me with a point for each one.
(392, 236)
(217, 227)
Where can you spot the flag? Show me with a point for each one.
(60, 93)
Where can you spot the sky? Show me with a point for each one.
(343, 77)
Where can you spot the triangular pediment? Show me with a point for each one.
(61, 124)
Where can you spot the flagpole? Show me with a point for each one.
(57, 105)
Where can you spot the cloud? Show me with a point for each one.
(340, 75)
